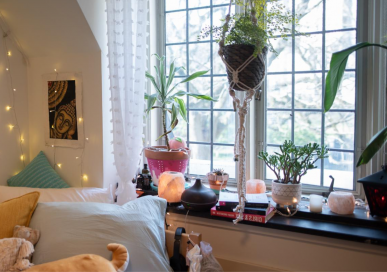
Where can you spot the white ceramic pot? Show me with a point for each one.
(286, 194)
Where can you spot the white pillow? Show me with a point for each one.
(86, 194)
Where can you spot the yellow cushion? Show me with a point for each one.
(17, 211)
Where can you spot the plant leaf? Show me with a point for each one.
(336, 71)
(194, 75)
(182, 108)
(373, 147)
(152, 79)
(174, 114)
(172, 71)
(197, 96)
(151, 101)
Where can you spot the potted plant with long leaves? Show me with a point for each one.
(375, 184)
(289, 166)
(168, 100)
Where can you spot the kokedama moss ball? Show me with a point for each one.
(177, 142)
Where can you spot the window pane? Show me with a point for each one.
(221, 93)
(179, 54)
(307, 128)
(313, 177)
(199, 57)
(279, 91)
(311, 15)
(175, 27)
(198, 19)
(308, 90)
(224, 159)
(199, 126)
(339, 165)
(218, 65)
(224, 127)
(200, 162)
(308, 52)
(269, 173)
(339, 130)
(181, 129)
(341, 14)
(337, 41)
(174, 4)
(219, 2)
(279, 128)
(219, 14)
(198, 3)
(282, 61)
(200, 85)
(345, 97)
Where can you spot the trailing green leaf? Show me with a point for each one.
(182, 109)
(151, 101)
(337, 69)
(373, 147)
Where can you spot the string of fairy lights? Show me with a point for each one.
(14, 126)
(11, 91)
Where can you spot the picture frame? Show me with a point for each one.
(62, 106)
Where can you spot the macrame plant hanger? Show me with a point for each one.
(241, 106)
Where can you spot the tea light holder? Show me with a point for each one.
(315, 203)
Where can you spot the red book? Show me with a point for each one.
(248, 217)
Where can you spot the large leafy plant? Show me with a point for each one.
(333, 81)
(169, 100)
(255, 26)
(292, 162)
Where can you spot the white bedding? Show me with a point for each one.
(86, 194)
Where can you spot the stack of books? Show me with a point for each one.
(257, 207)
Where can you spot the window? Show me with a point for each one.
(210, 131)
(295, 89)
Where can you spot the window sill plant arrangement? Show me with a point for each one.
(217, 179)
(169, 101)
(289, 166)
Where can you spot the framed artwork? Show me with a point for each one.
(62, 105)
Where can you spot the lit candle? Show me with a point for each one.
(315, 203)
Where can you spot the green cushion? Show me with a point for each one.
(38, 174)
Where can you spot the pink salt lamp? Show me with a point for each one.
(177, 142)
(255, 186)
(341, 202)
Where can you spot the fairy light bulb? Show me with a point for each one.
(6, 69)
(87, 139)
(14, 90)
(52, 146)
(9, 53)
(7, 108)
(76, 158)
(22, 157)
(54, 70)
(11, 127)
(59, 165)
(80, 119)
(85, 177)
(22, 140)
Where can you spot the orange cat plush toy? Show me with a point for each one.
(88, 262)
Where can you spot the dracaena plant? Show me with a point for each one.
(168, 97)
(333, 81)
(293, 162)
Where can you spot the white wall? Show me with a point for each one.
(250, 248)
(10, 151)
(94, 12)
(90, 67)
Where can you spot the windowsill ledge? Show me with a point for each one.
(359, 227)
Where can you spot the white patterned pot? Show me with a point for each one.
(286, 194)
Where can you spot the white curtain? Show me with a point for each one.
(127, 22)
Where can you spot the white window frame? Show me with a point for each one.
(370, 95)
(371, 27)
